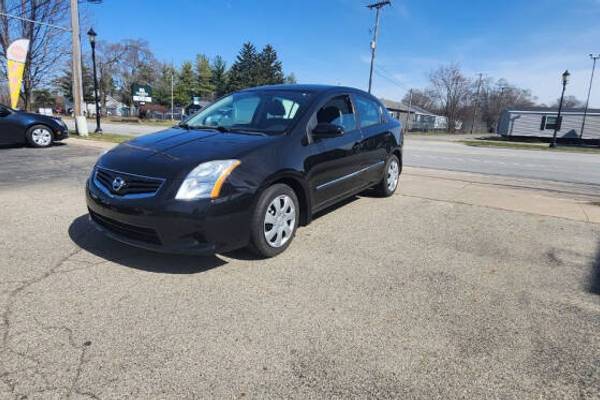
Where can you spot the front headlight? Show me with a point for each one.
(205, 181)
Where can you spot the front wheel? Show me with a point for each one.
(389, 183)
(39, 136)
(274, 221)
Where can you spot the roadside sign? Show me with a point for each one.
(141, 93)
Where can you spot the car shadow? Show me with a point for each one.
(11, 146)
(87, 237)
(336, 206)
(595, 274)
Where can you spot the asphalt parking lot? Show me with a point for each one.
(405, 297)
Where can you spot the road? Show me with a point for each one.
(577, 168)
(418, 296)
(120, 128)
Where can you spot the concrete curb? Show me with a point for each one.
(487, 191)
(89, 143)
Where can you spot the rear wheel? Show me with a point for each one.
(39, 136)
(274, 221)
(389, 183)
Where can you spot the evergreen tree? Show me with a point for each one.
(64, 84)
(244, 72)
(219, 76)
(291, 79)
(204, 77)
(270, 70)
(161, 91)
(185, 88)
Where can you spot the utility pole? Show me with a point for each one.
(409, 110)
(587, 103)
(377, 6)
(476, 102)
(172, 91)
(80, 121)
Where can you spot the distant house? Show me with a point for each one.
(420, 119)
(115, 107)
(541, 121)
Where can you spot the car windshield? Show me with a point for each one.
(270, 112)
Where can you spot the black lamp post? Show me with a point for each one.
(92, 36)
(557, 125)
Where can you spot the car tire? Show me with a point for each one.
(40, 136)
(389, 182)
(274, 221)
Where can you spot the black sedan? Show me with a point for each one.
(19, 127)
(246, 171)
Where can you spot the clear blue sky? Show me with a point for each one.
(530, 43)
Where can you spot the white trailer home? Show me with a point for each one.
(540, 122)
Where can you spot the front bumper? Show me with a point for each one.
(166, 225)
(61, 134)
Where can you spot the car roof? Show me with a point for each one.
(306, 88)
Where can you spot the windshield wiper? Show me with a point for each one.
(225, 129)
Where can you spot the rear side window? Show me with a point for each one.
(338, 111)
(369, 111)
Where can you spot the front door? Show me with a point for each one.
(10, 130)
(336, 167)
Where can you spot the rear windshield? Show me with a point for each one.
(271, 112)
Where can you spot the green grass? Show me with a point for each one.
(105, 137)
(439, 133)
(529, 146)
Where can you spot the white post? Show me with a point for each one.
(80, 121)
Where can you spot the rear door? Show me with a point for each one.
(376, 137)
(337, 163)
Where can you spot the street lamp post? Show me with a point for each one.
(587, 103)
(565, 80)
(92, 36)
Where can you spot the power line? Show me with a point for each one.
(35, 22)
(379, 72)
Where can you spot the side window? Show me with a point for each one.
(369, 111)
(338, 111)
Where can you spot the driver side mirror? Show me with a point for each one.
(4, 112)
(326, 130)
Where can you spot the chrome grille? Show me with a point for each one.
(131, 185)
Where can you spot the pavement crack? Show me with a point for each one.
(6, 321)
(74, 386)
(587, 217)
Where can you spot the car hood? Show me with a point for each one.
(39, 117)
(176, 151)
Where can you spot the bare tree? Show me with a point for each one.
(499, 95)
(569, 102)
(451, 91)
(48, 45)
(420, 98)
(108, 57)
